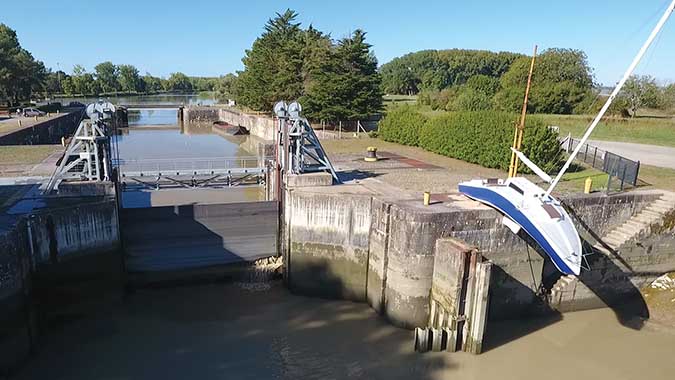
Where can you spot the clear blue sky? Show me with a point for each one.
(200, 37)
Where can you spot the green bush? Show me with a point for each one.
(480, 137)
(484, 138)
(402, 125)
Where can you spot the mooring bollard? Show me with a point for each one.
(427, 198)
(588, 184)
(371, 154)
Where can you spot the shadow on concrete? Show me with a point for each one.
(355, 175)
(620, 293)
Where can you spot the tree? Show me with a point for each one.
(129, 80)
(178, 82)
(54, 82)
(640, 91)
(152, 84)
(107, 76)
(21, 75)
(435, 70)
(562, 79)
(348, 84)
(81, 83)
(226, 86)
(273, 65)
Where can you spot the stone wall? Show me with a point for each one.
(390, 264)
(46, 132)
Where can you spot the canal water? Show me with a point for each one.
(158, 135)
(224, 331)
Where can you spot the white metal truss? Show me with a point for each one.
(304, 152)
(87, 157)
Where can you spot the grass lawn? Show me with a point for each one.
(26, 154)
(658, 130)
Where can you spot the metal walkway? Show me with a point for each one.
(192, 172)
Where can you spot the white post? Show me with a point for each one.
(618, 87)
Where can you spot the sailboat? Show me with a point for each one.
(527, 206)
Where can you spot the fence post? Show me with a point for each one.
(595, 153)
(340, 130)
(586, 154)
(623, 176)
(637, 171)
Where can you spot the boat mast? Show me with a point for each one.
(518, 135)
(618, 87)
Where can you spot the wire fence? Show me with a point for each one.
(625, 170)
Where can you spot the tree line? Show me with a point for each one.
(473, 80)
(23, 77)
(333, 79)
(108, 78)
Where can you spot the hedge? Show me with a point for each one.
(481, 137)
(402, 125)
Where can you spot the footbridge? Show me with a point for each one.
(219, 172)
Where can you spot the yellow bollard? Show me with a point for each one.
(588, 184)
(371, 154)
(427, 198)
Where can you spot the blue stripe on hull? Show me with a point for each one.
(502, 204)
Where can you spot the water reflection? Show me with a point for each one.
(143, 140)
(157, 134)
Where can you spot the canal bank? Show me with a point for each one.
(47, 130)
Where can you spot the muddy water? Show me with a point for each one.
(227, 332)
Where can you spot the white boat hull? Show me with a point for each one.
(541, 216)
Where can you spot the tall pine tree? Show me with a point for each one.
(347, 86)
(273, 65)
(333, 81)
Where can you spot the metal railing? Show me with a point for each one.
(186, 165)
(619, 167)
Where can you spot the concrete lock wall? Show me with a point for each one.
(260, 126)
(85, 228)
(29, 247)
(327, 248)
(17, 317)
(47, 132)
(327, 239)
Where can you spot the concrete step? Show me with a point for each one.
(616, 239)
(635, 224)
(655, 214)
(646, 219)
(613, 242)
(662, 209)
(628, 231)
(602, 249)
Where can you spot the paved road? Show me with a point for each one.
(662, 156)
